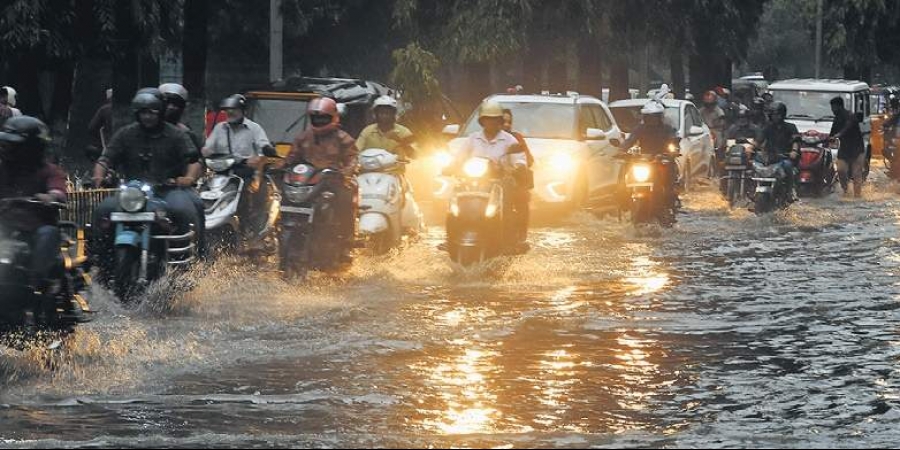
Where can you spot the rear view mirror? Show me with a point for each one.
(269, 152)
(595, 134)
(451, 130)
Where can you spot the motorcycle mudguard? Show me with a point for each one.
(373, 223)
(128, 238)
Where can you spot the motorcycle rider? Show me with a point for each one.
(744, 127)
(386, 133)
(9, 98)
(504, 149)
(24, 172)
(654, 137)
(248, 143)
(325, 145)
(528, 181)
(714, 116)
(852, 155)
(156, 152)
(176, 98)
(780, 136)
(758, 114)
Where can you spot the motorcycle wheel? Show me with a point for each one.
(763, 203)
(128, 261)
(640, 212)
(469, 256)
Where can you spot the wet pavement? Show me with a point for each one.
(728, 331)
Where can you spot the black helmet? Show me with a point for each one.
(895, 101)
(147, 99)
(779, 108)
(236, 101)
(24, 134)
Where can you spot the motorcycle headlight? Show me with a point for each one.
(476, 167)
(220, 164)
(673, 148)
(562, 162)
(641, 173)
(443, 159)
(132, 199)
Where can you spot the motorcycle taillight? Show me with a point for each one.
(809, 158)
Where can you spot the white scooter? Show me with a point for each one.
(221, 193)
(388, 211)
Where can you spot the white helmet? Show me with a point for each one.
(11, 95)
(653, 107)
(385, 100)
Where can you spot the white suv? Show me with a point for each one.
(571, 138)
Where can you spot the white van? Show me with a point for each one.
(809, 103)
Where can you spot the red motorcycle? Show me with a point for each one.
(817, 169)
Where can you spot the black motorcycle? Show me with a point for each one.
(307, 238)
(773, 185)
(647, 199)
(738, 170)
(63, 304)
(476, 228)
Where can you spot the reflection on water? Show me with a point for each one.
(644, 275)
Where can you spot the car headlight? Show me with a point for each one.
(562, 162)
(443, 159)
(132, 199)
(476, 167)
(641, 173)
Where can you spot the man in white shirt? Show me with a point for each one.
(504, 149)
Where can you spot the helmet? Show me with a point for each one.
(894, 101)
(26, 134)
(689, 97)
(759, 103)
(236, 101)
(653, 108)
(385, 101)
(174, 92)
(709, 97)
(490, 109)
(779, 108)
(324, 106)
(146, 99)
(723, 91)
(10, 95)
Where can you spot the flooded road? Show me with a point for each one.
(729, 330)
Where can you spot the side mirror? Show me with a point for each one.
(595, 134)
(452, 130)
(269, 152)
(695, 131)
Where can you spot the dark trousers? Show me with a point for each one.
(45, 243)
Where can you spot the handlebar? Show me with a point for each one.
(32, 201)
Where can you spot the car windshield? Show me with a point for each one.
(281, 119)
(629, 117)
(808, 104)
(536, 120)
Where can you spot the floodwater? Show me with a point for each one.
(729, 330)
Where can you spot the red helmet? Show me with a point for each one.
(723, 91)
(323, 106)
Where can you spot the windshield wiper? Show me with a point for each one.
(800, 116)
(294, 124)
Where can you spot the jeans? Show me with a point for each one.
(45, 257)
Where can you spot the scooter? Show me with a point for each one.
(647, 202)
(388, 211)
(817, 169)
(222, 192)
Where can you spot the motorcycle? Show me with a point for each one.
(388, 211)
(772, 184)
(738, 169)
(476, 221)
(145, 243)
(817, 169)
(307, 238)
(646, 201)
(22, 309)
(891, 138)
(222, 192)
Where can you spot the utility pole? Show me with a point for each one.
(276, 41)
(818, 37)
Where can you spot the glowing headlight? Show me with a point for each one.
(443, 159)
(476, 167)
(641, 173)
(562, 162)
(673, 148)
(132, 199)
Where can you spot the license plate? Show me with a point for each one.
(133, 217)
(297, 210)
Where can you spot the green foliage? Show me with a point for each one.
(415, 73)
